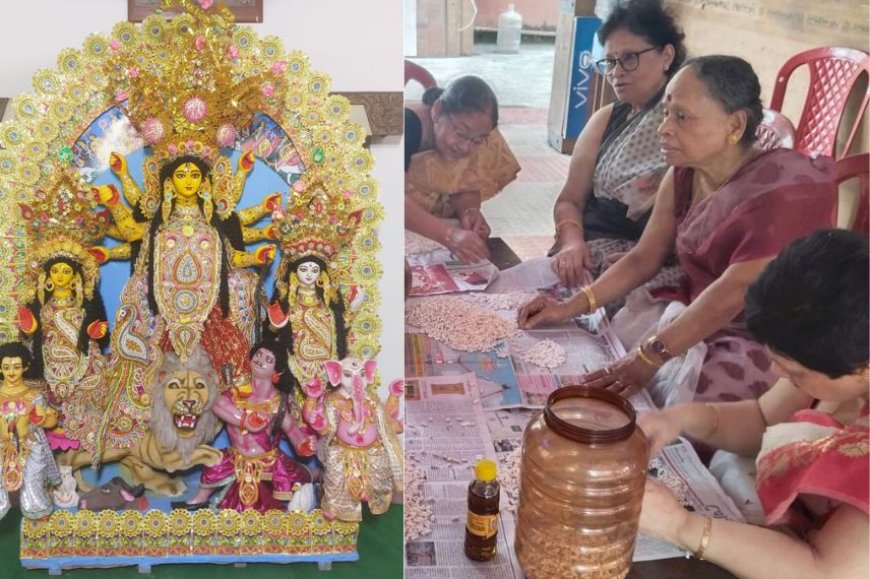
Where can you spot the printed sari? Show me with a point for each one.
(809, 467)
(777, 197)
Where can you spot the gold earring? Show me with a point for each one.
(205, 195)
(168, 195)
(40, 288)
(49, 285)
(733, 139)
(77, 289)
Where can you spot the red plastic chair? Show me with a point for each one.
(833, 73)
(414, 71)
(774, 131)
(857, 167)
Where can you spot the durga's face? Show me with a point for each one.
(187, 179)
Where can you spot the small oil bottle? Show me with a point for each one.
(481, 530)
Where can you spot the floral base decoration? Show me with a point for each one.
(69, 540)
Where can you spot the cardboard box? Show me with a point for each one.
(574, 96)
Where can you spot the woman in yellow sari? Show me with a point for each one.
(455, 158)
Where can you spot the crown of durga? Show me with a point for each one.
(187, 99)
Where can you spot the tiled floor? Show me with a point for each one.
(522, 213)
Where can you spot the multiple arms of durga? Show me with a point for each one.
(127, 229)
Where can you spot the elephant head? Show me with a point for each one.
(353, 376)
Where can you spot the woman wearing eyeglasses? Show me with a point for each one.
(455, 158)
(616, 165)
(726, 209)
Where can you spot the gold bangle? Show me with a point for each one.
(645, 357)
(590, 298)
(715, 409)
(565, 222)
(705, 538)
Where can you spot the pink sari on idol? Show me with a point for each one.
(809, 467)
(777, 197)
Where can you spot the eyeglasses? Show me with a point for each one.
(476, 141)
(629, 61)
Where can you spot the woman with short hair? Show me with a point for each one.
(809, 307)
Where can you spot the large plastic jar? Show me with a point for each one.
(510, 31)
(583, 470)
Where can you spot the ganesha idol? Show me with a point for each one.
(359, 449)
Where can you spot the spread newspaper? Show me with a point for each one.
(463, 406)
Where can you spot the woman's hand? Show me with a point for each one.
(661, 515)
(466, 245)
(571, 262)
(661, 427)
(541, 310)
(472, 220)
(625, 377)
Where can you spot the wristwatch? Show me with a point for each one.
(657, 347)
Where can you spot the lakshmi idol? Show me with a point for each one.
(64, 315)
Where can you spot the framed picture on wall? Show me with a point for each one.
(243, 10)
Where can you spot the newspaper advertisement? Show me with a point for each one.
(439, 272)
(506, 381)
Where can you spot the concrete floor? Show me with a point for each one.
(522, 213)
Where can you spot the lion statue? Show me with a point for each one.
(181, 411)
(181, 426)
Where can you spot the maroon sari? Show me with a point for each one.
(776, 198)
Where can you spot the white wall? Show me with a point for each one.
(358, 43)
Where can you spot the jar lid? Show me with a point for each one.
(589, 414)
(485, 470)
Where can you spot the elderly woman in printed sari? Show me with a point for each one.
(726, 209)
(809, 432)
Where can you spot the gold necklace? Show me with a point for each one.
(307, 296)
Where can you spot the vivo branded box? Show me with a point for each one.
(577, 88)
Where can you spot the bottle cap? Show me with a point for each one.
(485, 470)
